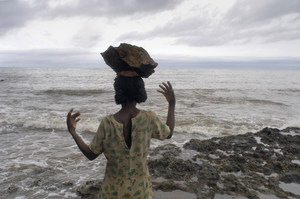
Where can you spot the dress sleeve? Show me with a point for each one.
(160, 130)
(96, 146)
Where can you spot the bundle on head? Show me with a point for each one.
(128, 57)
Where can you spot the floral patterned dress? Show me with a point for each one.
(127, 174)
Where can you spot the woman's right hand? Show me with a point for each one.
(168, 92)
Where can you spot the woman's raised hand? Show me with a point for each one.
(71, 120)
(168, 92)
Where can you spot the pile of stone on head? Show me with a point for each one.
(128, 57)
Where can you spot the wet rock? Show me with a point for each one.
(167, 150)
(90, 189)
(36, 183)
(253, 181)
(269, 135)
(243, 165)
(201, 145)
(12, 189)
(44, 171)
(173, 168)
(292, 149)
(68, 184)
(208, 174)
(227, 165)
(290, 177)
(129, 57)
(237, 143)
(288, 129)
(195, 104)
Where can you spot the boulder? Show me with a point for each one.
(129, 57)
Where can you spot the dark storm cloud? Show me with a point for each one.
(246, 12)
(16, 13)
(13, 13)
(247, 21)
(112, 8)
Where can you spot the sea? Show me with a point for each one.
(39, 158)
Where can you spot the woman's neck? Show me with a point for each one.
(129, 106)
(127, 112)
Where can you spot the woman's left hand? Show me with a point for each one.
(71, 120)
(168, 92)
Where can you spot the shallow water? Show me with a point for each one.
(177, 194)
(39, 159)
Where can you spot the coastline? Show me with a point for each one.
(265, 164)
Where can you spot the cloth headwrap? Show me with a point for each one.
(128, 73)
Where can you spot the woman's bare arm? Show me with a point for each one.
(168, 92)
(84, 148)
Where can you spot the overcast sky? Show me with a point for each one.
(176, 33)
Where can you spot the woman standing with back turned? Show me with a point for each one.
(125, 136)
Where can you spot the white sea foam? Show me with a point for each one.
(292, 122)
(224, 99)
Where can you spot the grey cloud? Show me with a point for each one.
(194, 31)
(245, 12)
(51, 58)
(281, 63)
(16, 13)
(13, 14)
(175, 28)
(247, 21)
(112, 8)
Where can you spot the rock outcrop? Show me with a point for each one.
(251, 165)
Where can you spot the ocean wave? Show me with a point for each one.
(71, 92)
(265, 102)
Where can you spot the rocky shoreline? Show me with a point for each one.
(265, 164)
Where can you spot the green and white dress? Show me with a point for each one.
(127, 174)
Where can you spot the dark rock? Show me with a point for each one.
(292, 149)
(288, 129)
(68, 184)
(167, 150)
(12, 189)
(201, 145)
(208, 174)
(129, 57)
(269, 135)
(237, 143)
(90, 190)
(230, 166)
(173, 168)
(36, 183)
(268, 132)
(290, 177)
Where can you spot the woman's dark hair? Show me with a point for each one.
(129, 88)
